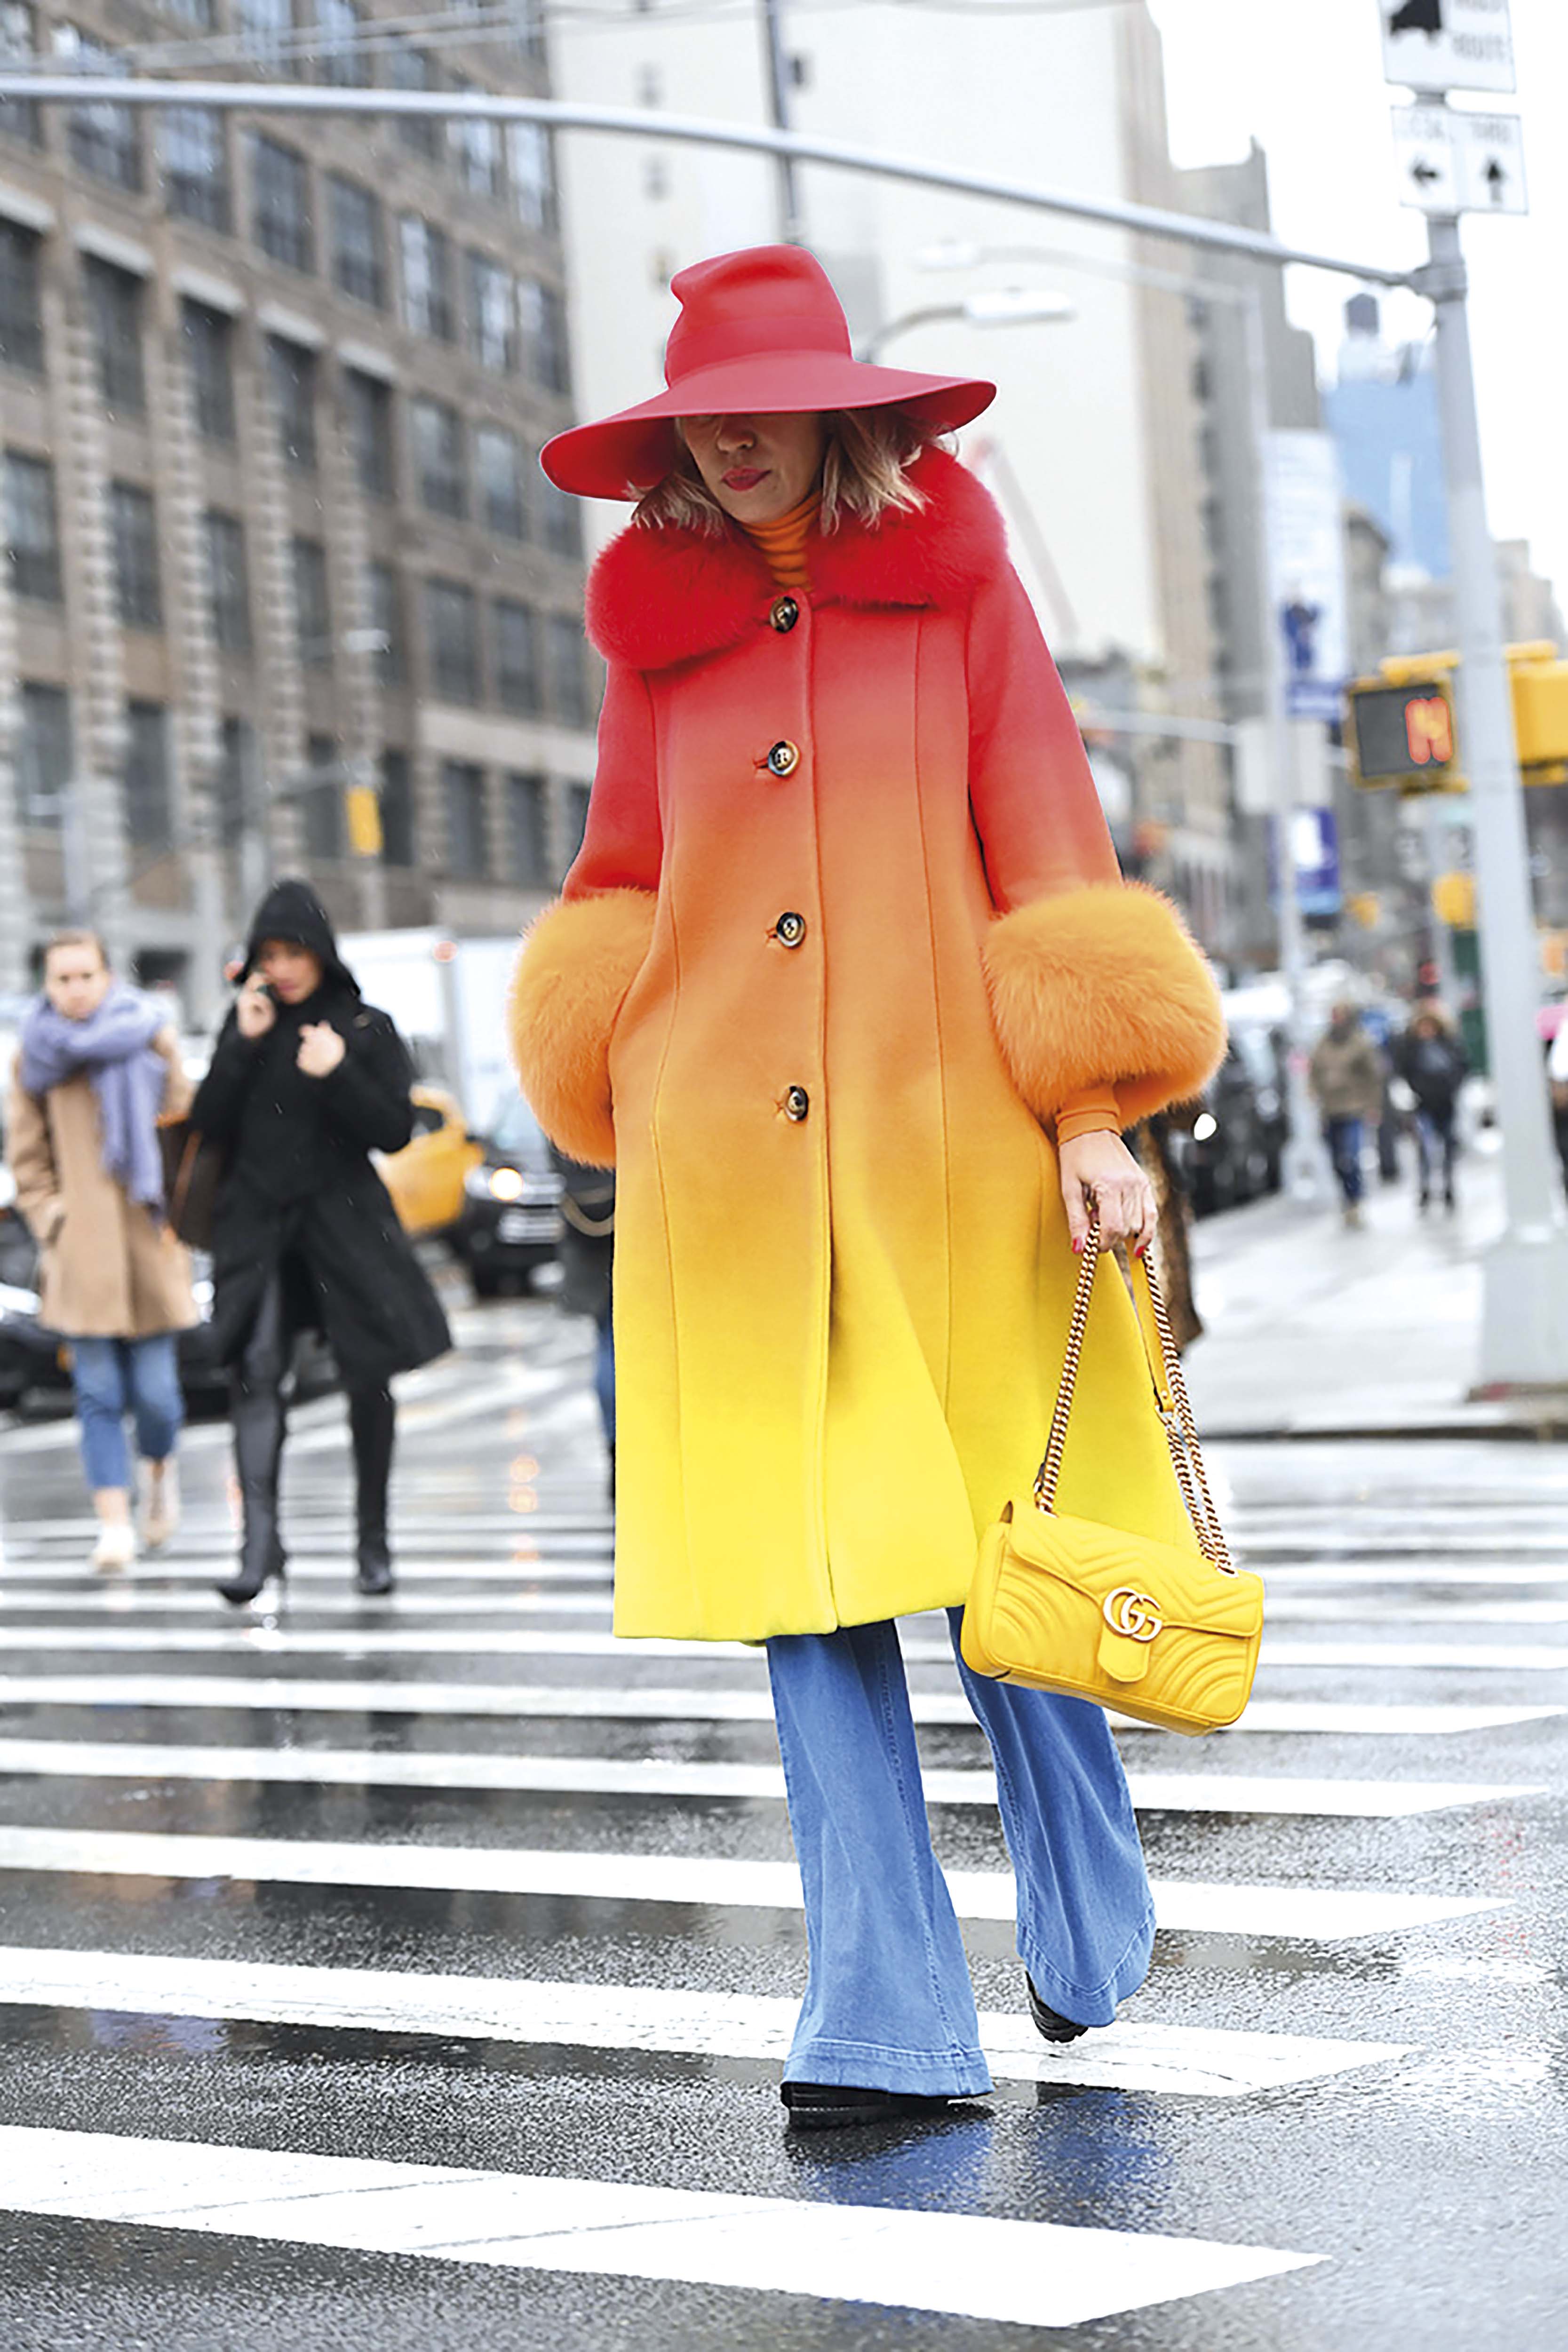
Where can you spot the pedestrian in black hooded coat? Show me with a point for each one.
(306, 1081)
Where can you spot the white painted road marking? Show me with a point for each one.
(1028, 2274)
(664, 1705)
(1317, 1914)
(1188, 1792)
(1200, 2061)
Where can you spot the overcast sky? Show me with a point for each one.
(1305, 79)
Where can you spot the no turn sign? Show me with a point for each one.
(1443, 45)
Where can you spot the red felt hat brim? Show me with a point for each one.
(626, 455)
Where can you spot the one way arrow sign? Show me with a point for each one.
(1425, 154)
(1453, 162)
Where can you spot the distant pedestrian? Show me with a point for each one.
(1346, 1074)
(1433, 1065)
(587, 1261)
(98, 1065)
(846, 983)
(305, 1082)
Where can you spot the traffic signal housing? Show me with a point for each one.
(1401, 730)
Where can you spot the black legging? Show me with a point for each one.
(261, 1422)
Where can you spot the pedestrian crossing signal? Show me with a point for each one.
(363, 811)
(1404, 734)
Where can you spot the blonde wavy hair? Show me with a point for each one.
(865, 472)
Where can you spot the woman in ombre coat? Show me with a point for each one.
(846, 985)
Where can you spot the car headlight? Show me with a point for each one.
(494, 1184)
(14, 1301)
(1204, 1126)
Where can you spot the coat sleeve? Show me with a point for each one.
(580, 958)
(220, 1098)
(32, 1159)
(1095, 984)
(368, 1098)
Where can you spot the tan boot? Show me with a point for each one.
(160, 1503)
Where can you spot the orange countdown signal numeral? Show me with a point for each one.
(1429, 732)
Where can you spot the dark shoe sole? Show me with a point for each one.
(828, 2106)
(1049, 2022)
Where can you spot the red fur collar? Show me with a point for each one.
(659, 597)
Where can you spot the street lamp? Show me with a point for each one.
(1004, 305)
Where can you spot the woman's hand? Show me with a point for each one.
(255, 1008)
(320, 1049)
(1100, 1172)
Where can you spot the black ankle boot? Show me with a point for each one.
(1051, 2021)
(373, 1423)
(257, 1447)
(830, 2106)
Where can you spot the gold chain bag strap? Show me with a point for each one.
(1165, 1632)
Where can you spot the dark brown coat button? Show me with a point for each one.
(797, 1103)
(789, 930)
(784, 759)
(784, 615)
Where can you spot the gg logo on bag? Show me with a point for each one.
(1132, 1613)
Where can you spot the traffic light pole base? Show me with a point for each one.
(1524, 1309)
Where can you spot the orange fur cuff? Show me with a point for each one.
(1103, 986)
(576, 964)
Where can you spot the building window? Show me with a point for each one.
(21, 313)
(562, 519)
(492, 315)
(105, 138)
(192, 157)
(19, 118)
(209, 355)
(133, 534)
(312, 613)
(451, 634)
(322, 800)
(475, 149)
(238, 783)
(148, 808)
(227, 582)
(292, 375)
(577, 796)
(266, 29)
(532, 160)
(359, 265)
(568, 671)
(339, 57)
(384, 606)
(396, 809)
(542, 316)
(498, 463)
(43, 754)
(439, 457)
(281, 203)
(528, 833)
(367, 405)
(114, 301)
(412, 70)
(201, 14)
(463, 793)
(655, 178)
(427, 305)
(517, 658)
(32, 527)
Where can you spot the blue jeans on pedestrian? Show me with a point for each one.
(1344, 1137)
(604, 1379)
(112, 1378)
(888, 2003)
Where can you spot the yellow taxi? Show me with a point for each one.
(426, 1178)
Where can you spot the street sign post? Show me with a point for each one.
(1443, 45)
(1450, 163)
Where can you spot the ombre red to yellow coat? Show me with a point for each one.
(845, 928)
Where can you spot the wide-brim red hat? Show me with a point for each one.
(761, 333)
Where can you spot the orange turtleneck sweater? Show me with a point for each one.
(1093, 1109)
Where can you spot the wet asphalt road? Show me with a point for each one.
(365, 1985)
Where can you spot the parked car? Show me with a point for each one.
(426, 1178)
(1232, 1152)
(511, 1223)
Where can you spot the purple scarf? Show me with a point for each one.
(114, 1046)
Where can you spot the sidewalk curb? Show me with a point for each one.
(1551, 1428)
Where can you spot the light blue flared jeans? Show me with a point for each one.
(888, 2003)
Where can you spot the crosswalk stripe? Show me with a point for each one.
(98, 1604)
(525, 1642)
(1200, 2061)
(517, 1571)
(1031, 2273)
(1187, 1792)
(1315, 1913)
(666, 1705)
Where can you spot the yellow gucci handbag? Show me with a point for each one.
(1168, 1635)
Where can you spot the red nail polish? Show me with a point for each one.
(1077, 1249)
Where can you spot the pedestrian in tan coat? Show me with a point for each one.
(1346, 1077)
(95, 1070)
